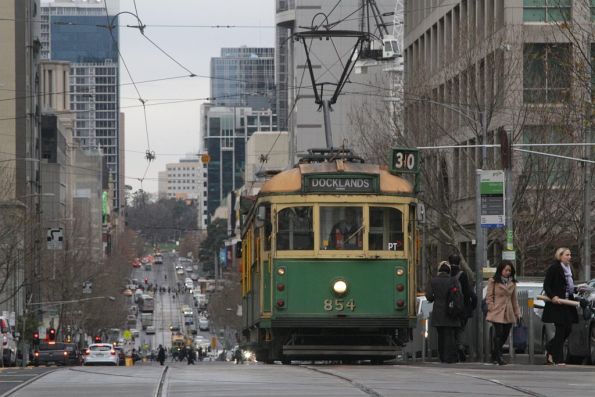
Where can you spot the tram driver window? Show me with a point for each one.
(294, 229)
(386, 229)
(341, 228)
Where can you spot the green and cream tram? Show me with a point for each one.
(328, 262)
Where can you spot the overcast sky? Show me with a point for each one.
(174, 129)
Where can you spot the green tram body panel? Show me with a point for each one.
(371, 289)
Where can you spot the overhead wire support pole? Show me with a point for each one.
(588, 187)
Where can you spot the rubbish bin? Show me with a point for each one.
(129, 362)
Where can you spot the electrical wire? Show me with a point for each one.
(142, 101)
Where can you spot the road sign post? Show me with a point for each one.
(492, 198)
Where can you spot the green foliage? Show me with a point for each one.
(162, 221)
(216, 234)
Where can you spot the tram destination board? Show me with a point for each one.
(341, 184)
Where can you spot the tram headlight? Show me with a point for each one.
(400, 271)
(281, 271)
(340, 287)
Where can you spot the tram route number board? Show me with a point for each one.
(404, 160)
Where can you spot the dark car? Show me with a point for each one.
(121, 355)
(580, 345)
(50, 353)
(74, 354)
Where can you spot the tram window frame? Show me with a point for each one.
(263, 222)
(332, 217)
(385, 231)
(286, 238)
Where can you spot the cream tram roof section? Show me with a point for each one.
(290, 181)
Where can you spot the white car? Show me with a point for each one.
(203, 324)
(150, 330)
(9, 345)
(101, 353)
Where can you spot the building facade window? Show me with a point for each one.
(547, 10)
(546, 72)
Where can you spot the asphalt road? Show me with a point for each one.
(254, 379)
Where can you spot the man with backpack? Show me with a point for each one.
(445, 292)
(469, 299)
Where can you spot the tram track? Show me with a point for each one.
(160, 386)
(499, 383)
(369, 391)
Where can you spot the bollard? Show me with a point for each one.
(530, 336)
(423, 341)
(128, 361)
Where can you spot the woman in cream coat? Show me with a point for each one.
(503, 308)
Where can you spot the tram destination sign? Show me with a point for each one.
(341, 184)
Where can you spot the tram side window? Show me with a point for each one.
(386, 229)
(294, 229)
(341, 228)
(268, 228)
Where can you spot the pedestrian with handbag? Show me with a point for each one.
(503, 307)
(446, 325)
(558, 284)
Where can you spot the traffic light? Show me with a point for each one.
(97, 339)
(35, 338)
(52, 335)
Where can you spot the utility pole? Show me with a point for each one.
(587, 171)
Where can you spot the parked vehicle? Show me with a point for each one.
(51, 353)
(580, 345)
(9, 345)
(101, 353)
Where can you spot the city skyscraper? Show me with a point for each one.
(225, 131)
(244, 76)
(76, 31)
(242, 86)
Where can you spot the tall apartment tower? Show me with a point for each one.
(296, 110)
(477, 68)
(76, 31)
(187, 180)
(244, 76)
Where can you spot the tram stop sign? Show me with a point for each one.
(404, 160)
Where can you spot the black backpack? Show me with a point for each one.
(455, 301)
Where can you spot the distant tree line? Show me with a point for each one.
(160, 221)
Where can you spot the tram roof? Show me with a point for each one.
(290, 181)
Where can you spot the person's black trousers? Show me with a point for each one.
(555, 346)
(447, 346)
(501, 332)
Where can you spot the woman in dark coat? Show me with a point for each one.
(558, 284)
(446, 325)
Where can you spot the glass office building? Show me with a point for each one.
(225, 131)
(244, 76)
(77, 32)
